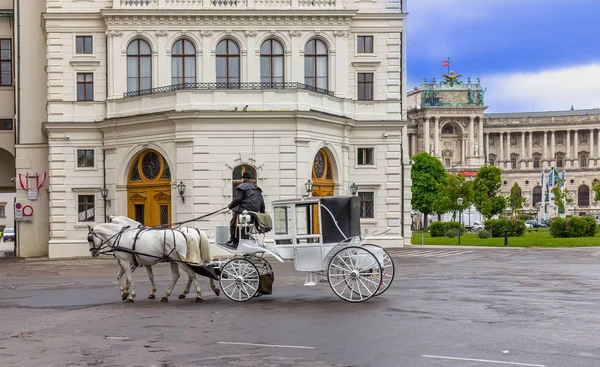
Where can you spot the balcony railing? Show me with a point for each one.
(204, 4)
(226, 86)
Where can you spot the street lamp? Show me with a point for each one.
(353, 189)
(104, 193)
(181, 190)
(459, 201)
(308, 186)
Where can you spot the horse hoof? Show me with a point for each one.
(217, 292)
(199, 299)
(164, 299)
(151, 296)
(129, 300)
(124, 296)
(182, 296)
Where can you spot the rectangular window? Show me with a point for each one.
(6, 124)
(559, 160)
(365, 156)
(2, 211)
(366, 205)
(513, 163)
(583, 161)
(5, 62)
(364, 44)
(536, 162)
(85, 208)
(83, 45)
(85, 158)
(365, 86)
(85, 86)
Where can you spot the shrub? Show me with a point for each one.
(483, 234)
(515, 227)
(439, 229)
(583, 226)
(451, 233)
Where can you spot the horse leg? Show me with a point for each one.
(129, 273)
(122, 287)
(175, 275)
(214, 287)
(192, 276)
(187, 289)
(151, 277)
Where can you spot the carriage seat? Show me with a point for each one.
(262, 222)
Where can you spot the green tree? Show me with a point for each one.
(596, 189)
(454, 187)
(426, 173)
(486, 188)
(561, 196)
(516, 199)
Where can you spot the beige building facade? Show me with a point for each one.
(154, 108)
(448, 120)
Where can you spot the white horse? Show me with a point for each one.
(199, 236)
(132, 246)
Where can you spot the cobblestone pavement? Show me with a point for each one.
(446, 307)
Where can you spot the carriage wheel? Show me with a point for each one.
(264, 267)
(350, 274)
(239, 280)
(388, 269)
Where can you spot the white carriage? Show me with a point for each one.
(321, 235)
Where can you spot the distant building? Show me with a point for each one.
(447, 120)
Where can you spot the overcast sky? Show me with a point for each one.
(531, 55)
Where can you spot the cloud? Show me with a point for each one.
(550, 89)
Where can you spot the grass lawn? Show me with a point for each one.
(530, 239)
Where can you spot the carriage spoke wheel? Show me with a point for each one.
(388, 269)
(239, 280)
(352, 274)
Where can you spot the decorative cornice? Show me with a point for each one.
(184, 143)
(206, 33)
(162, 33)
(302, 142)
(336, 19)
(251, 33)
(295, 33)
(341, 33)
(113, 33)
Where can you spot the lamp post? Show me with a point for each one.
(353, 189)
(308, 186)
(104, 193)
(181, 190)
(459, 201)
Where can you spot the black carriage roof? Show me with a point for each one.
(345, 210)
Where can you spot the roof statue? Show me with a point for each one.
(451, 79)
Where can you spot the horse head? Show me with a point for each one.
(100, 236)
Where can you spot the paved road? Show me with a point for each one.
(446, 307)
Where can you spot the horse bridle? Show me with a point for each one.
(103, 243)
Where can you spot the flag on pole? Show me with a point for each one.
(446, 62)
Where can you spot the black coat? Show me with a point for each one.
(248, 197)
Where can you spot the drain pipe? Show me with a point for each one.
(104, 182)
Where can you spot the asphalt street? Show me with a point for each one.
(446, 307)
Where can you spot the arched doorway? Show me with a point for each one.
(322, 175)
(149, 189)
(583, 196)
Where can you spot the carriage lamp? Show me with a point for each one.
(181, 190)
(308, 185)
(353, 189)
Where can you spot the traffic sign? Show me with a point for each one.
(27, 210)
(18, 212)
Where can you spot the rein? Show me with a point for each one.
(178, 224)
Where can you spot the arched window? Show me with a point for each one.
(228, 64)
(271, 63)
(183, 62)
(583, 196)
(238, 171)
(537, 195)
(447, 129)
(315, 64)
(139, 66)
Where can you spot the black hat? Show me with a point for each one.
(246, 175)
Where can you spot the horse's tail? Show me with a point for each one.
(205, 253)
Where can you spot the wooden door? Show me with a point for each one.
(149, 189)
(323, 183)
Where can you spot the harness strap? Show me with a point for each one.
(134, 254)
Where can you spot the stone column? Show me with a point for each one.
(487, 147)
(501, 147)
(436, 137)
(252, 61)
(413, 144)
(471, 135)
(545, 147)
(463, 153)
(598, 155)
(480, 139)
(552, 147)
(568, 152)
(522, 157)
(426, 136)
(531, 146)
(161, 61)
(575, 149)
(507, 150)
(591, 140)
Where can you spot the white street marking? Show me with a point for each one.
(268, 345)
(485, 360)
